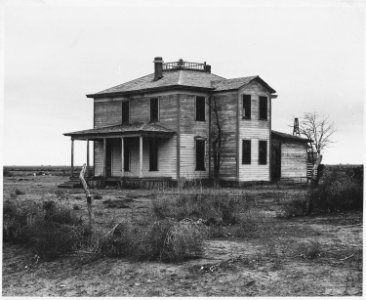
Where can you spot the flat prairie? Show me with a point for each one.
(315, 255)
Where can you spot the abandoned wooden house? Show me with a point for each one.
(165, 126)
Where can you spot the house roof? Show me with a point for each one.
(237, 83)
(286, 136)
(176, 78)
(145, 129)
(180, 78)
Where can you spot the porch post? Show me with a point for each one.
(104, 157)
(122, 157)
(87, 157)
(141, 153)
(72, 157)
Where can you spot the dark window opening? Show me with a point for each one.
(126, 156)
(247, 107)
(263, 107)
(200, 109)
(125, 112)
(262, 152)
(246, 152)
(153, 154)
(154, 110)
(200, 155)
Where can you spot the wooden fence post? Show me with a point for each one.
(88, 197)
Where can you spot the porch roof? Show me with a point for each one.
(136, 129)
(286, 136)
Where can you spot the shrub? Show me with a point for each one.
(338, 193)
(211, 208)
(292, 205)
(98, 197)
(19, 192)
(310, 250)
(48, 228)
(76, 207)
(248, 225)
(119, 203)
(6, 172)
(165, 240)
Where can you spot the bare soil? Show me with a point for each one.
(273, 261)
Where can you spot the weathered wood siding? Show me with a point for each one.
(227, 110)
(254, 130)
(109, 112)
(98, 158)
(293, 159)
(190, 129)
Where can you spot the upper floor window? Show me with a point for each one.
(200, 155)
(247, 107)
(246, 152)
(154, 109)
(200, 109)
(263, 108)
(262, 152)
(125, 112)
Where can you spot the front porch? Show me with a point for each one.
(127, 156)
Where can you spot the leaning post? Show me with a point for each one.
(88, 197)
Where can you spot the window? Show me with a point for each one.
(247, 107)
(200, 109)
(263, 107)
(200, 155)
(153, 154)
(125, 112)
(246, 152)
(262, 152)
(154, 110)
(126, 156)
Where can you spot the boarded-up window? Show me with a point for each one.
(262, 152)
(200, 155)
(200, 109)
(154, 110)
(247, 107)
(263, 108)
(125, 112)
(153, 154)
(126, 156)
(246, 152)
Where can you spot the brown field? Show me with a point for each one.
(275, 260)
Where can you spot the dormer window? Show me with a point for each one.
(200, 109)
(154, 109)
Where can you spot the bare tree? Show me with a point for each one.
(216, 139)
(318, 128)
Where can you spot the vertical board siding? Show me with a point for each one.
(189, 130)
(227, 109)
(107, 112)
(254, 130)
(98, 152)
(293, 159)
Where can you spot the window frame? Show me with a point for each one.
(157, 110)
(243, 110)
(260, 161)
(247, 161)
(198, 167)
(261, 110)
(124, 122)
(153, 142)
(204, 110)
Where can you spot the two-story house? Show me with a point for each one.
(160, 126)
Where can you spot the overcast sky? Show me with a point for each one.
(54, 55)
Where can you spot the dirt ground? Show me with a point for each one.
(273, 262)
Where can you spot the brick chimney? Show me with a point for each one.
(158, 68)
